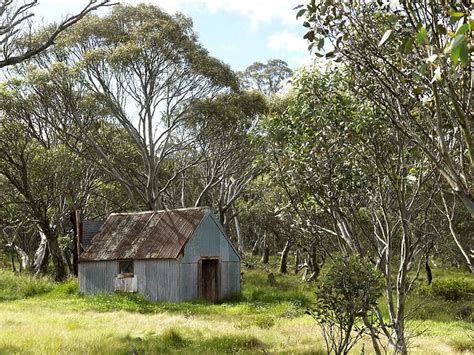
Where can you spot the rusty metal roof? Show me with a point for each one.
(144, 235)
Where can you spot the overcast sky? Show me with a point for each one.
(239, 32)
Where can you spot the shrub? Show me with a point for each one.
(449, 289)
(453, 289)
(347, 293)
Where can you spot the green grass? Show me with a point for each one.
(40, 316)
(13, 287)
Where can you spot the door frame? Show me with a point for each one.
(199, 276)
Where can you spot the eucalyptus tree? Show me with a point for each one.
(147, 68)
(15, 227)
(267, 78)
(412, 60)
(357, 185)
(15, 26)
(130, 76)
(460, 229)
(48, 181)
(230, 148)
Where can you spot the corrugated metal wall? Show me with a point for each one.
(230, 281)
(158, 279)
(208, 241)
(97, 276)
(188, 281)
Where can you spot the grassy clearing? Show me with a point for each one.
(39, 316)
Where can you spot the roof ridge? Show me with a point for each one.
(158, 211)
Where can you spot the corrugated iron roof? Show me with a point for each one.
(144, 235)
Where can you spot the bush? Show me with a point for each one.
(449, 290)
(453, 289)
(347, 293)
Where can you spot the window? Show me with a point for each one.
(126, 268)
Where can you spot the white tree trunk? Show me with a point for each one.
(39, 254)
(25, 260)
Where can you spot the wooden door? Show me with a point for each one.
(209, 279)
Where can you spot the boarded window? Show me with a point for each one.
(126, 268)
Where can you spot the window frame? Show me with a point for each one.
(126, 264)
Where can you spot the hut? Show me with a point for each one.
(172, 255)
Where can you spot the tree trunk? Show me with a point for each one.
(399, 326)
(467, 200)
(265, 250)
(429, 275)
(460, 247)
(315, 265)
(60, 271)
(450, 216)
(69, 258)
(400, 346)
(75, 249)
(255, 247)
(297, 260)
(284, 258)
(23, 259)
(40, 258)
(240, 237)
(13, 260)
(373, 336)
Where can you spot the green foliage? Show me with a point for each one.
(267, 78)
(450, 34)
(413, 65)
(265, 322)
(448, 299)
(449, 290)
(346, 294)
(349, 288)
(67, 288)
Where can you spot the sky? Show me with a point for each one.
(238, 32)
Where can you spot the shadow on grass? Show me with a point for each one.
(173, 340)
